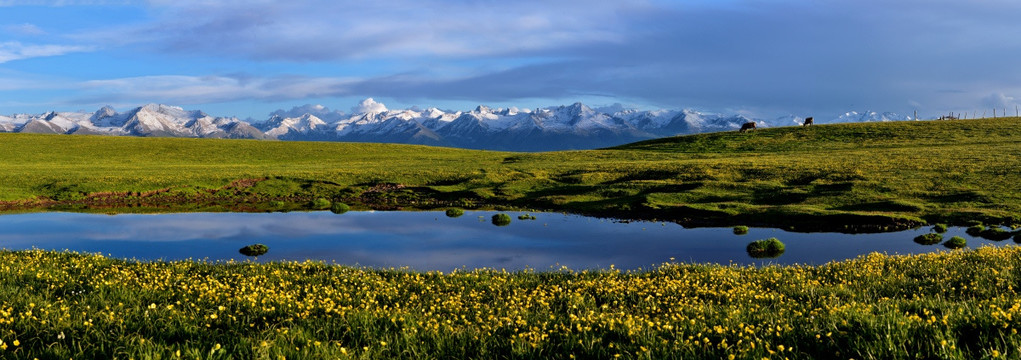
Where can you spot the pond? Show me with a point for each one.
(432, 241)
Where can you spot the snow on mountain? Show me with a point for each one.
(789, 120)
(870, 116)
(574, 126)
(159, 120)
(322, 112)
(6, 124)
(646, 119)
(148, 120)
(282, 127)
(107, 117)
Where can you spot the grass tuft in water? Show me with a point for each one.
(929, 239)
(956, 242)
(995, 234)
(768, 248)
(501, 220)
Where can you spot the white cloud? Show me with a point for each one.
(332, 30)
(13, 50)
(180, 89)
(368, 106)
(57, 3)
(25, 29)
(999, 101)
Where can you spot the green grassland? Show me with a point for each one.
(870, 176)
(946, 305)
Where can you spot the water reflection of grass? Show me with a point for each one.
(953, 305)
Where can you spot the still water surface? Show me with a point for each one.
(431, 241)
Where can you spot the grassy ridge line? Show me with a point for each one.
(843, 136)
(879, 174)
(949, 305)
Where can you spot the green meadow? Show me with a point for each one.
(869, 176)
(960, 304)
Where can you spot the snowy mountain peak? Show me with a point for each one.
(278, 126)
(103, 112)
(160, 108)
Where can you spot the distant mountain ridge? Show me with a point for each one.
(575, 126)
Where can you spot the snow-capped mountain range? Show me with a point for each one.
(554, 128)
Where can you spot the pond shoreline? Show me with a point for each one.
(230, 200)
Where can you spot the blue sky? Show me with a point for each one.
(763, 58)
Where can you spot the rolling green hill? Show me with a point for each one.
(866, 176)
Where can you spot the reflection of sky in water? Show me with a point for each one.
(432, 241)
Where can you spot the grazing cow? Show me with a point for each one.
(808, 121)
(747, 126)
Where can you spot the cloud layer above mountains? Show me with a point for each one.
(760, 57)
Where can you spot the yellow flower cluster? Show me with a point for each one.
(946, 305)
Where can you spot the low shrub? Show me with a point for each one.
(740, 230)
(975, 230)
(526, 217)
(768, 248)
(956, 242)
(454, 212)
(940, 228)
(929, 239)
(254, 250)
(501, 219)
(339, 208)
(320, 204)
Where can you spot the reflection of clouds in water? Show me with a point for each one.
(421, 240)
(190, 226)
(429, 240)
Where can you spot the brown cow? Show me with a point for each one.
(747, 126)
(808, 121)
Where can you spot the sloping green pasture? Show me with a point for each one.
(886, 174)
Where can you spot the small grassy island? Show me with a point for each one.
(961, 304)
(845, 177)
